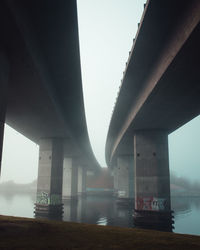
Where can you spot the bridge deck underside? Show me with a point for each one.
(175, 99)
(160, 88)
(45, 98)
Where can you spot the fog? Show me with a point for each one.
(106, 32)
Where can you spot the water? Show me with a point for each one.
(104, 211)
(187, 215)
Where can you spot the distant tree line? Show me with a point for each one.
(185, 183)
(11, 186)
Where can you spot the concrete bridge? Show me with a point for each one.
(41, 92)
(159, 93)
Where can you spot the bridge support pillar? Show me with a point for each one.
(115, 180)
(1, 139)
(152, 185)
(49, 185)
(4, 75)
(70, 178)
(125, 176)
(82, 174)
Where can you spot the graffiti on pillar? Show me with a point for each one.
(55, 199)
(43, 198)
(150, 203)
(159, 204)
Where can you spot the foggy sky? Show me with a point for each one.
(106, 32)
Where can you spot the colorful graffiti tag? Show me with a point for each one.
(43, 198)
(151, 203)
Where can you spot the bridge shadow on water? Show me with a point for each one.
(108, 211)
(162, 221)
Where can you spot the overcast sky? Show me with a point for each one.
(106, 32)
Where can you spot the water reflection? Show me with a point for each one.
(21, 205)
(107, 211)
(102, 221)
(71, 210)
(51, 212)
(162, 221)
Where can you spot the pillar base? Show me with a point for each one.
(155, 220)
(125, 202)
(74, 197)
(82, 194)
(115, 193)
(49, 211)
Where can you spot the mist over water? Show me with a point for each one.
(104, 210)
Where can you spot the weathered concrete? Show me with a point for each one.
(152, 184)
(49, 185)
(125, 175)
(159, 93)
(1, 139)
(4, 74)
(70, 178)
(40, 40)
(82, 174)
(115, 180)
(160, 87)
(66, 187)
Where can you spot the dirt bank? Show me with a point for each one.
(22, 233)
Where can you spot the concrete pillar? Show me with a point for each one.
(82, 180)
(125, 176)
(49, 185)
(152, 185)
(1, 138)
(4, 75)
(115, 180)
(70, 178)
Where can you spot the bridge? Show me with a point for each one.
(159, 93)
(41, 92)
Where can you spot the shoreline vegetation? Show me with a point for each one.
(12, 187)
(23, 233)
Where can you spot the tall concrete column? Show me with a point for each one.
(82, 180)
(151, 161)
(124, 176)
(2, 122)
(70, 178)
(4, 75)
(115, 180)
(50, 172)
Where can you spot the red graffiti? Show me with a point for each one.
(144, 203)
(150, 203)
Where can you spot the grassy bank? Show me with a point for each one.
(22, 233)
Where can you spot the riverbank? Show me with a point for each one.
(23, 233)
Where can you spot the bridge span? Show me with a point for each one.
(159, 93)
(41, 92)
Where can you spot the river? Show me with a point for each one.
(105, 211)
